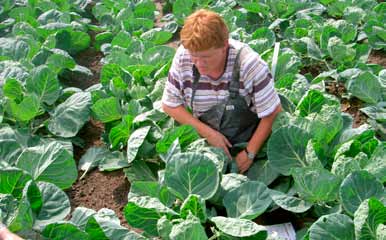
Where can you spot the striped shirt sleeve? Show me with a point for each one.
(258, 80)
(172, 95)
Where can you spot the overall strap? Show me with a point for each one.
(196, 77)
(234, 85)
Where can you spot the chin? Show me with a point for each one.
(203, 71)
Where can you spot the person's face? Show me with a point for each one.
(210, 61)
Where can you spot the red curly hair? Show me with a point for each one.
(204, 30)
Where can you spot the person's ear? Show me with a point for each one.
(226, 43)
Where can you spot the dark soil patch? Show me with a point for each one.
(280, 216)
(350, 106)
(89, 58)
(378, 57)
(353, 105)
(101, 190)
(91, 135)
(98, 189)
(314, 70)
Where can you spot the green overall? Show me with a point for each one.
(232, 117)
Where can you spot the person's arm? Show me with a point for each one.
(172, 104)
(261, 134)
(214, 138)
(260, 87)
(5, 234)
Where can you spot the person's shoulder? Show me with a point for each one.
(180, 58)
(248, 56)
(236, 44)
(246, 50)
(180, 51)
(183, 55)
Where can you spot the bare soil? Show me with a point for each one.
(98, 189)
(101, 190)
(89, 58)
(350, 106)
(353, 105)
(378, 57)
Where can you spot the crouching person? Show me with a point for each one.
(225, 85)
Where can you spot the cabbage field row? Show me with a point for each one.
(316, 165)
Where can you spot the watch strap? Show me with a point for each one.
(250, 155)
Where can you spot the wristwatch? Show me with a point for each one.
(250, 155)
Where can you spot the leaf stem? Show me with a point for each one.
(215, 236)
(328, 66)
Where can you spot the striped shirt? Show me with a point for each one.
(256, 83)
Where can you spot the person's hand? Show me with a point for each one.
(5, 234)
(216, 139)
(243, 162)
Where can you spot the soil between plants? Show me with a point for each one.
(101, 190)
(98, 189)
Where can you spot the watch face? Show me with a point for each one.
(250, 155)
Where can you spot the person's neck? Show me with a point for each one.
(216, 75)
